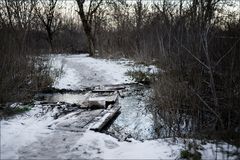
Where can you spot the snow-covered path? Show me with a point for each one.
(81, 71)
(36, 134)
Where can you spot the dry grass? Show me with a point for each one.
(20, 78)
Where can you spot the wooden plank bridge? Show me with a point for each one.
(95, 112)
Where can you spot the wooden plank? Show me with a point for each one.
(114, 87)
(112, 99)
(110, 106)
(102, 101)
(109, 88)
(98, 126)
(97, 102)
(84, 103)
(79, 122)
(103, 91)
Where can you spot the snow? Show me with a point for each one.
(25, 134)
(98, 145)
(151, 69)
(81, 71)
(67, 97)
(22, 131)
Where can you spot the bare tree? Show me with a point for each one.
(180, 7)
(17, 63)
(2, 21)
(87, 20)
(18, 15)
(139, 20)
(49, 18)
(19, 12)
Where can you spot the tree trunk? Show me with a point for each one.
(91, 45)
(87, 28)
(50, 38)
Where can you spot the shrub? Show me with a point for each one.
(185, 154)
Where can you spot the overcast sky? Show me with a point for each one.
(70, 6)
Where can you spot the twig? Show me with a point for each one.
(228, 52)
(205, 103)
(188, 51)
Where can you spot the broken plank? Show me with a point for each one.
(103, 91)
(114, 87)
(79, 121)
(102, 101)
(98, 126)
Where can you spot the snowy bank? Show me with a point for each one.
(97, 145)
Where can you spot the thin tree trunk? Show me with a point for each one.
(87, 19)
(212, 81)
(91, 45)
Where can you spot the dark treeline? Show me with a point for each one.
(195, 42)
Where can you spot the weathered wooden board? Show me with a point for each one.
(109, 88)
(79, 122)
(100, 124)
(114, 87)
(100, 101)
(102, 109)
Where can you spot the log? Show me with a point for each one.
(105, 119)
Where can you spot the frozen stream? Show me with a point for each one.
(134, 119)
(60, 131)
(81, 71)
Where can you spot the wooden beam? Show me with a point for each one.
(105, 119)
